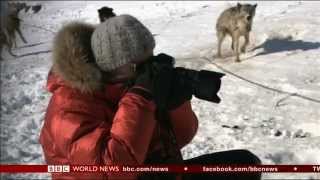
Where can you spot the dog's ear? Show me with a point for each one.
(255, 6)
(106, 9)
(238, 6)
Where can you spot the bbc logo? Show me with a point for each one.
(58, 168)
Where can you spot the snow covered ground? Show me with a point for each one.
(270, 101)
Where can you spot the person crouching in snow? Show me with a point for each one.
(102, 112)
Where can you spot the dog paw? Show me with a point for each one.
(218, 55)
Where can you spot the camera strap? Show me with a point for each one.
(169, 152)
(168, 138)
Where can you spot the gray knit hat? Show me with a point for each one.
(119, 40)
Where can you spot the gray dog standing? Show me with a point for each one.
(236, 22)
(11, 23)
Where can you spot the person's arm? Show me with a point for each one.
(87, 140)
(131, 131)
(184, 122)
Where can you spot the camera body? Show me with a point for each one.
(202, 84)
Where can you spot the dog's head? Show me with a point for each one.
(105, 13)
(36, 8)
(247, 11)
(15, 8)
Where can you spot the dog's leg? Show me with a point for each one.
(14, 42)
(10, 51)
(1, 46)
(246, 42)
(11, 38)
(9, 46)
(221, 35)
(235, 40)
(21, 36)
(3, 41)
(232, 42)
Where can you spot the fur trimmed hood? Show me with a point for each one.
(73, 60)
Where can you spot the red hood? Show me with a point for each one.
(112, 92)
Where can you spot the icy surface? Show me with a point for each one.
(270, 105)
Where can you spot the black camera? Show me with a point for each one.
(202, 84)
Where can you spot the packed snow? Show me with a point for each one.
(270, 101)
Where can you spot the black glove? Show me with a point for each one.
(143, 83)
(170, 90)
(180, 92)
(161, 81)
(154, 75)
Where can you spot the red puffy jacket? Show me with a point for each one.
(89, 123)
